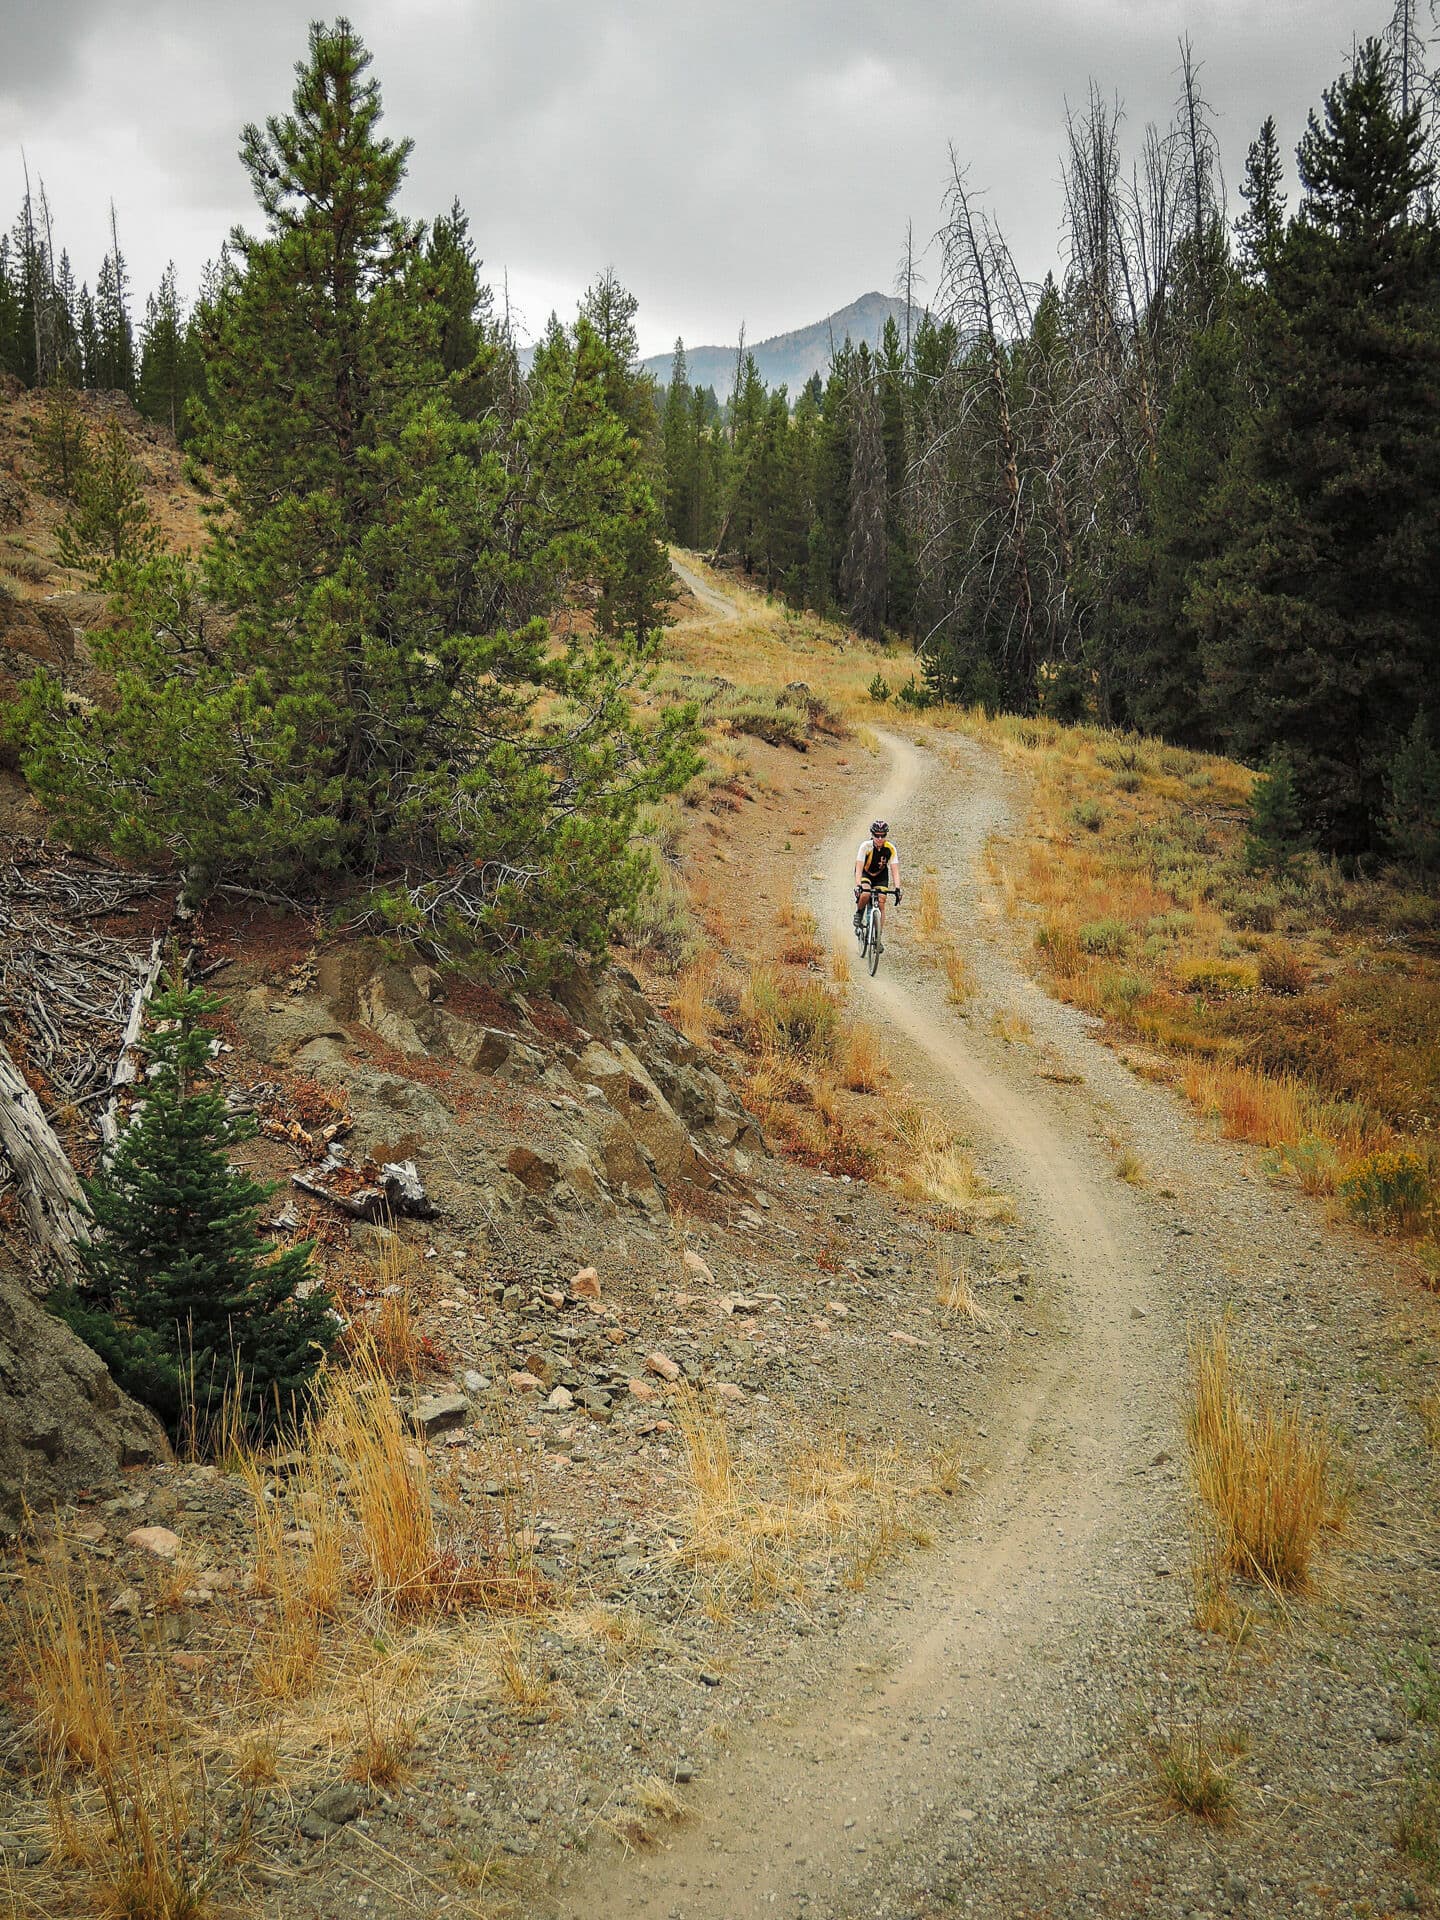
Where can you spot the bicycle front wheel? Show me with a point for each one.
(872, 940)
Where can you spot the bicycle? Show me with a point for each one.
(868, 931)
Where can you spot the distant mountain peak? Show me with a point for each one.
(789, 359)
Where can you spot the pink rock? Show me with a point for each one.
(662, 1364)
(907, 1339)
(524, 1382)
(561, 1400)
(157, 1540)
(585, 1285)
(642, 1390)
(728, 1390)
(698, 1267)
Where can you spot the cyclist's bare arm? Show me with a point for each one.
(895, 875)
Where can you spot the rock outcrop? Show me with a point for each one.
(64, 1424)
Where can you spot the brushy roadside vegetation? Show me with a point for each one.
(369, 1605)
(1300, 1009)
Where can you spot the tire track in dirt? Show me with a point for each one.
(815, 1815)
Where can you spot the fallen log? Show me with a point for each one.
(50, 1195)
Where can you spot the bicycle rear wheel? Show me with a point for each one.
(872, 939)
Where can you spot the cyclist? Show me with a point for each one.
(877, 864)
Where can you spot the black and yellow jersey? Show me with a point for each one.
(875, 861)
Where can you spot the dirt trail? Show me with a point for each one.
(709, 597)
(949, 1693)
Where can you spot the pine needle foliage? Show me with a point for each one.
(360, 688)
(191, 1309)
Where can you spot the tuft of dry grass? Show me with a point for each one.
(1262, 1472)
(1193, 1776)
(954, 1290)
(862, 1065)
(931, 920)
(1129, 1167)
(840, 963)
(378, 1756)
(1011, 1026)
(960, 979)
(691, 1004)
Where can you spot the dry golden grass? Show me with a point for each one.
(1262, 1471)
(826, 1503)
(958, 974)
(378, 1757)
(931, 922)
(954, 1290)
(1129, 1167)
(1194, 1777)
(1429, 1411)
(862, 1065)
(691, 1002)
(1301, 1013)
(133, 1833)
(1011, 1026)
(802, 947)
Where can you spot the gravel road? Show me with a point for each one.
(978, 1739)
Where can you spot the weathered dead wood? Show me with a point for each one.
(49, 1192)
(127, 1067)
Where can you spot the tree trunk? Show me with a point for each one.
(49, 1192)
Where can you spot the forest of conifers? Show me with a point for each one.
(1189, 485)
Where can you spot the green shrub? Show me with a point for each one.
(916, 693)
(1109, 937)
(771, 717)
(1391, 1190)
(1217, 979)
(1088, 814)
(803, 1019)
(879, 689)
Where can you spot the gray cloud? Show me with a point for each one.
(755, 162)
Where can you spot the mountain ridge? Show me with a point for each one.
(789, 359)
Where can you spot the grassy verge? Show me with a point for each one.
(1301, 1011)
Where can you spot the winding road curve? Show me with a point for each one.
(963, 1694)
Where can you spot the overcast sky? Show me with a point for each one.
(757, 160)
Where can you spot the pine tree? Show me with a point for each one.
(62, 441)
(679, 452)
(1277, 835)
(1159, 644)
(181, 1296)
(115, 366)
(1260, 230)
(1318, 621)
(162, 388)
(1412, 813)
(383, 703)
(864, 574)
(112, 525)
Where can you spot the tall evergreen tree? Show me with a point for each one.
(384, 702)
(162, 388)
(1260, 230)
(1318, 622)
(864, 574)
